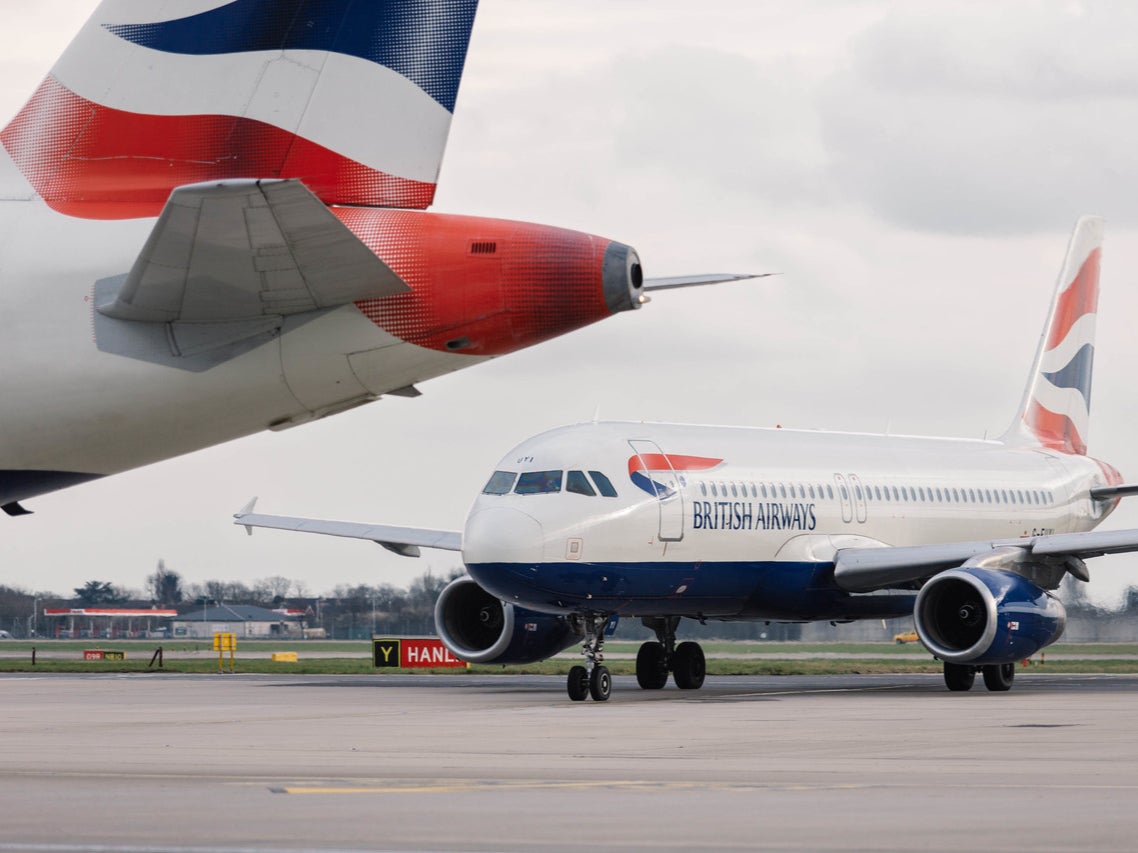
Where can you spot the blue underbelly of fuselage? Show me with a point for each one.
(783, 591)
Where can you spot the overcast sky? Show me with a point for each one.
(911, 169)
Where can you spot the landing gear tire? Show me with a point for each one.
(652, 666)
(600, 684)
(959, 677)
(689, 667)
(578, 685)
(998, 677)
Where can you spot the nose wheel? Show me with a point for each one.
(592, 679)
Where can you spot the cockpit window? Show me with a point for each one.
(579, 484)
(500, 483)
(538, 482)
(604, 485)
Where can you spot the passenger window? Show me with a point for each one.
(577, 483)
(921, 490)
(538, 483)
(896, 496)
(782, 489)
(714, 491)
(829, 491)
(763, 487)
(604, 484)
(734, 491)
(811, 491)
(500, 483)
(754, 491)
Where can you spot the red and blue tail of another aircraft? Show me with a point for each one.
(1055, 411)
(353, 98)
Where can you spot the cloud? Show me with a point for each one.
(976, 119)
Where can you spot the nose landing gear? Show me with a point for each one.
(592, 679)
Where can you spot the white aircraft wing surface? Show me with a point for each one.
(405, 541)
(867, 569)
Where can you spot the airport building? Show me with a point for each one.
(240, 619)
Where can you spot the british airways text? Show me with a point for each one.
(745, 515)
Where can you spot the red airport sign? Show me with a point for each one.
(414, 654)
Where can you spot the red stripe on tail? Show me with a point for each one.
(94, 162)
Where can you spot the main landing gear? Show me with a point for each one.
(997, 677)
(655, 660)
(592, 679)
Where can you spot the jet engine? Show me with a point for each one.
(479, 628)
(981, 616)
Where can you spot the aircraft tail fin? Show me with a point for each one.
(353, 98)
(1055, 411)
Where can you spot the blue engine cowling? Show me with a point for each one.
(479, 628)
(980, 616)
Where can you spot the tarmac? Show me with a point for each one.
(245, 763)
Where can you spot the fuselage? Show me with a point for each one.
(86, 396)
(721, 522)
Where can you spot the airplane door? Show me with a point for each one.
(664, 483)
(844, 496)
(860, 498)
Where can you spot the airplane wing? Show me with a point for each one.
(868, 569)
(405, 541)
(696, 280)
(228, 260)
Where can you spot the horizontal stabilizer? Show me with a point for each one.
(696, 280)
(405, 541)
(868, 569)
(227, 260)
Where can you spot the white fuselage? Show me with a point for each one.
(732, 505)
(69, 406)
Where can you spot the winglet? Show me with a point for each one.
(245, 510)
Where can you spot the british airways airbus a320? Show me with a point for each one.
(211, 224)
(663, 521)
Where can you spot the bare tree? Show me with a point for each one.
(164, 586)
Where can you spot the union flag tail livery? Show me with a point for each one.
(212, 224)
(585, 524)
(1056, 407)
(353, 98)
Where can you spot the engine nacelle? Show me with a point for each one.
(980, 616)
(479, 628)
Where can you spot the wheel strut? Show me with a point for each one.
(592, 679)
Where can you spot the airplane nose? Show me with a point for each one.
(502, 535)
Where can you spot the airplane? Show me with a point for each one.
(594, 522)
(212, 223)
